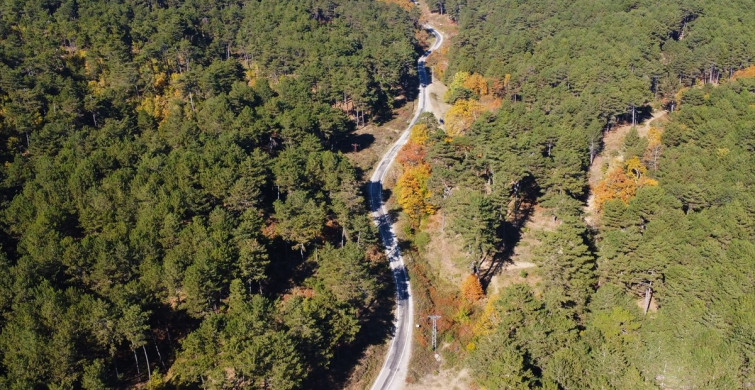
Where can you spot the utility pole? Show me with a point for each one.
(435, 329)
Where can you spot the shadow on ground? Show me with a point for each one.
(511, 231)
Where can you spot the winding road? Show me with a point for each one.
(392, 375)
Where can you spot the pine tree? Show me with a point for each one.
(567, 262)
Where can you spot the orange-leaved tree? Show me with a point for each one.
(477, 84)
(471, 288)
(411, 155)
(414, 152)
(622, 182)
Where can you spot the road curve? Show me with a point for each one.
(392, 375)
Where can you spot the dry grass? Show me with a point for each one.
(440, 22)
(445, 379)
(384, 136)
(443, 253)
(435, 103)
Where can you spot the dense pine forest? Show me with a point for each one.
(676, 212)
(174, 198)
(178, 209)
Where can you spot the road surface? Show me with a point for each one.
(393, 374)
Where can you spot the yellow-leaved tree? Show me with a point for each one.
(655, 147)
(412, 193)
(459, 79)
(488, 320)
(461, 116)
(419, 134)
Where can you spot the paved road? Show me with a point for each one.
(393, 374)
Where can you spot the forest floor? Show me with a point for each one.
(442, 253)
(611, 154)
(374, 140)
(519, 267)
(435, 103)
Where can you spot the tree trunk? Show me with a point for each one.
(149, 371)
(634, 116)
(159, 355)
(516, 196)
(648, 295)
(137, 363)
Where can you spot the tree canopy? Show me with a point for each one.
(170, 171)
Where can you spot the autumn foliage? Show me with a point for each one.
(622, 182)
(461, 115)
(488, 319)
(405, 4)
(412, 154)
(412, 193)
(746, 72)
(471, 288)
(477, 84)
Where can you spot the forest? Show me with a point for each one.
(534, 86)
(175, 206)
